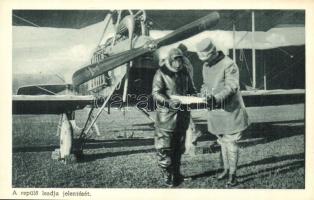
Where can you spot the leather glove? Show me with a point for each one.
(211, 101)
(173, 103)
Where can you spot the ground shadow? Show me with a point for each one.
(259, 133)
(92, 144)
(119, 143)
(298, 163)
(93, 157)
(263, 173)
(274, 159)
(35, 148)
(204, 174)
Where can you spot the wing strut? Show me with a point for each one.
(93, 118)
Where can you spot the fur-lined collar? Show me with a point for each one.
(220, 56)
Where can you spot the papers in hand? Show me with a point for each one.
(188, 99)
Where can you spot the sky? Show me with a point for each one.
(39, 50)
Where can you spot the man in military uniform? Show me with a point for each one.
(227, 117)
(172, 119)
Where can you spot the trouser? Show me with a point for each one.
(230, 150)
(169, 146)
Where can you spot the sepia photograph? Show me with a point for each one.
(157, 98)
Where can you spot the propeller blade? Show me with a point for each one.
(111, 62)
(86, 73)
(189, 30)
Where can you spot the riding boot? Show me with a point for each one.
(224, 174)
(225, 162)
(233, 155)
(232, 181)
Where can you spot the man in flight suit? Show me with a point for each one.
(172, 119)
(227, 117)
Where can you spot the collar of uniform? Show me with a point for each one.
(220, 56)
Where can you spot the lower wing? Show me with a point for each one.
(49, 104)
(256, 98)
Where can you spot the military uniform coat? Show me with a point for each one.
(221, 79)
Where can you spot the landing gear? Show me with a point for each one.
(65, 131)
(70, 149)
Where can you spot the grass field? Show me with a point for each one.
(272, 153)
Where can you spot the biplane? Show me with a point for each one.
(122, 67)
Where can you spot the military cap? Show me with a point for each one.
(204, 48)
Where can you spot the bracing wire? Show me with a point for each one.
(25, 20)
(56, 74)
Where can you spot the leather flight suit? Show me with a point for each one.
(171, 124)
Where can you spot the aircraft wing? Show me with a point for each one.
(164, 19)
(255, 98)
(272, 97)
(44, 89)
(49, 104)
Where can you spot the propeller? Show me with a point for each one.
(86, 73)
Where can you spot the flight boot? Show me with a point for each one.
(168, 178)
(179, 178)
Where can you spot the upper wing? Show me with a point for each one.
(164, 19)
(49, 104)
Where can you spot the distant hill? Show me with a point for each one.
(19, 80)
